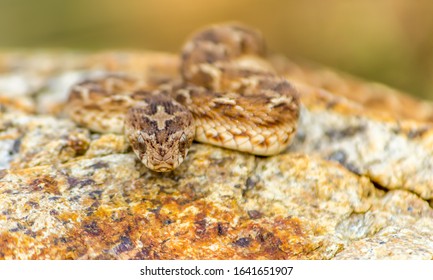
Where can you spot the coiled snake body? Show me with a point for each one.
(229, 96)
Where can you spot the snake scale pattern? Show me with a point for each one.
(229, 96)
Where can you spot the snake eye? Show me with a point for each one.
(183, 145)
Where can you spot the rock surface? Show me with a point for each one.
(357, 183)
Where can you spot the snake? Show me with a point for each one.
(227, 95)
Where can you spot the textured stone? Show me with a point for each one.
(355, 184)
(399, 226)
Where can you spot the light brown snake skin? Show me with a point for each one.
(229, 97)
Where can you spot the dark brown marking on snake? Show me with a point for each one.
(182, 99)
(169, 107)
(205, 54)
(141, 94)
(184, 145)
(220, 105)
(140, 120)
(280, 105)
(118, 102)
(281, 87)
(207, 35)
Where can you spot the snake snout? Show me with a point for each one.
(162, 164)
(163, 168)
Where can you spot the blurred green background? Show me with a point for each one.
(389, 41)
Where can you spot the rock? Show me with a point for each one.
(355, 184)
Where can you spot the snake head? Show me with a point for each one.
(160, 132)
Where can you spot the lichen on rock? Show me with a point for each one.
(355, 184)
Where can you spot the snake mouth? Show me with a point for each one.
(162, 167)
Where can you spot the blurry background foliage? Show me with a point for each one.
(389, 41)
